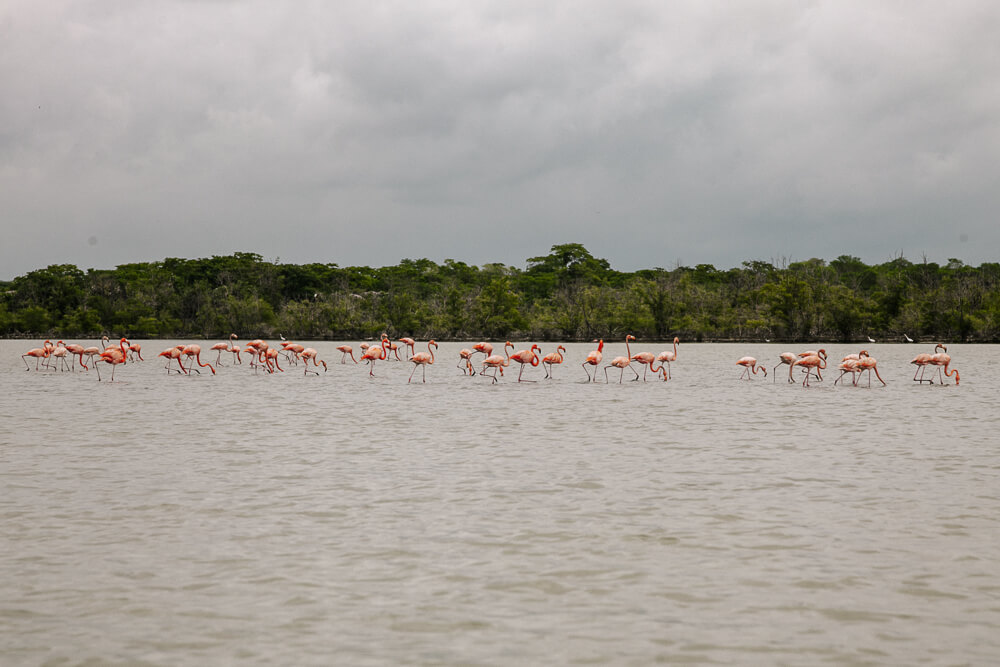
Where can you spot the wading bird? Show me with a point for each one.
(423, 359)
(552, 358)
(749, 365)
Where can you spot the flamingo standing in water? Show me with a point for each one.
(809, 362)
(666, 357)
(134, 350)
(311, 354)
(346, 350)
(409, 343)
(922, 360)
(77, 351)
(390, 347)
(496, 361)
(223, 347)
(552, 358)
(594, 359)
(526, 357)
(485, 348)
(749, 365)
(422, 359)
(270, 358)
(172, 353)
(849, 364)
(943, 360)
(815, 353)
(38, 353)
(868, 363)
(622, 362)
(785, 358)
(114, 356)
(193, 352)
(465, 361)
(60, 352)
(375, 353)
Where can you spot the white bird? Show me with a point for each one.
(871, 340)
(281, 337)
(908, 339)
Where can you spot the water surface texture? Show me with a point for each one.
(248, 518)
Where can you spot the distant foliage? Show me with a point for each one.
(566, 295)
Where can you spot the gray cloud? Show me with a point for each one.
(362, 133)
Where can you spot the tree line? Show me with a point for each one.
(566, 295)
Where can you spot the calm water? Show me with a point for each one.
(340, 519)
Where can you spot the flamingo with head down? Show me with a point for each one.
(942, 360)
(749, 365)
(921, 361)
(465, 361)
(346, 350)
(308, 354)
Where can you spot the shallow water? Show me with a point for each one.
(312, 520)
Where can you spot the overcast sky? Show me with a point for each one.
(655, 133)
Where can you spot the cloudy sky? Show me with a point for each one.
(655, 133)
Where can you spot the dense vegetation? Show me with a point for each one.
(565, 295)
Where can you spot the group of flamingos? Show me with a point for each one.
(265, 357)
(814, 361)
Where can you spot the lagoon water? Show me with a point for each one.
(341, 519)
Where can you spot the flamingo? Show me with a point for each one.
(483, 347)
(809, 362)
(373, 354)
(646, 359)
(496, 361)
(135, 350)
(346, 350)
(223, 347)
(943, 360)
(423, 359)
(622, 362)
(409, 343)
(77, 351)
(172, 353)
(391, 347)
(114, 356)
(465, 355)
(869, 363)
(194, 352)
(668, 356)
(90, 353)
(38, 353)
(848, 366)
(60, 352)
(526, 357)
(749, 365)
(785, 358)
(594, 359)
(922, 360)
(553, 358)
(269, 357)
(815, 353)
(292, 351)
(310, 353)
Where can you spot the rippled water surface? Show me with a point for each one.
(342, 519)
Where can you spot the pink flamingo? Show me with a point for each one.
(270, 358)
(292, 351)
(375, 353)
(134, 350)
(646, 359)
(921, 361)
(749, 365)
(526, 357)
(848, 366)
(465, 361)
(786, 358)
(194, 352)
(391, 347)
(38, 353)
(310, 353)
(496, 362)
(553, 358)
(622, 362)
(868, 363)
(594, 359)
(60, 352)
(809, 362)
(422, 359)
(223, 347)
(114, 356)
(409, 343)
(815, 353)
(667, 357)
(346, 350)
(172, 353)
(483, 347)
(76, 351)
(943, 360)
